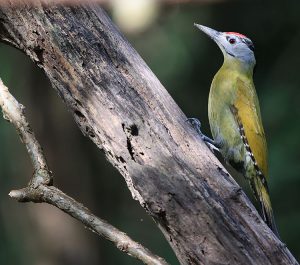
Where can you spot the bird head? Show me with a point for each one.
(233, 45)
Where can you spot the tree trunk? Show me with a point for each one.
(122, 107)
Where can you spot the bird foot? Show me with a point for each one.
(208, 141)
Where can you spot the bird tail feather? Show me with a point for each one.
(260, 187)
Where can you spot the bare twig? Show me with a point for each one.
(40, 187)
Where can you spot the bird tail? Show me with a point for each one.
(261, 190)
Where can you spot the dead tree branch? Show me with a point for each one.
(120, 105)
(40, 189)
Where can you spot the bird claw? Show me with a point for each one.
(196, 124)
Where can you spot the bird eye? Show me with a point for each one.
(232, 41)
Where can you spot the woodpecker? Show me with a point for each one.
(234, 116)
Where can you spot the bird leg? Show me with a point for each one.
(208, 141)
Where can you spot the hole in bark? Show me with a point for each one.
(79, 114)
(91, 134)
(35, 32)
(78, 102)
(39, 53)
(162, 216)
(130, 149)
(134, 130)
(121, 159)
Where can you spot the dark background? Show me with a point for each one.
(185, 61)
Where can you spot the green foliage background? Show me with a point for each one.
(185, 61)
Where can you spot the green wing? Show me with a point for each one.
(248, 112)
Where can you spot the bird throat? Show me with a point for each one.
(234, 63)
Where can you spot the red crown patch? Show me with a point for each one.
(237, 34)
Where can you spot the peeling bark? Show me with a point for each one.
(122, 107)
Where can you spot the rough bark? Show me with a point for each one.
(40, 187)
(118, 102)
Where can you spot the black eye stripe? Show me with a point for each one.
(249, 44)
(251, 47)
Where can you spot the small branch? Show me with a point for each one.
(13, 111)
(40, 187)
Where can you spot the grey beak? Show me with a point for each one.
(213, 34)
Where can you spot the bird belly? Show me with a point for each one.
(226, 135)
